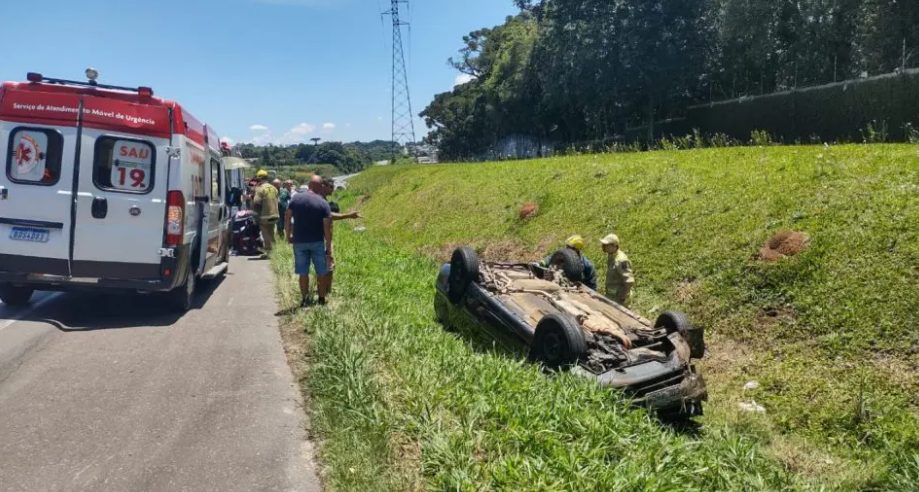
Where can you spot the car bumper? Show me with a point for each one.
(667, 386)
(42, 281)
(96, 276)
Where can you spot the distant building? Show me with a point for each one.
(425, 154)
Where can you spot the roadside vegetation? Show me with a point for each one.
(347, 157)
(826, 336)
(400, 404)
(302, 174)
(590, 74)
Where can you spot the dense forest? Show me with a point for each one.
(347, 157)
(569, 71)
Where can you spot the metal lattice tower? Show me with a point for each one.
(403, 123)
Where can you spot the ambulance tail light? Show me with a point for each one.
(175, 218)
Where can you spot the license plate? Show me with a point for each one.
(30, 234)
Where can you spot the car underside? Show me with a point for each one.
(564, 324)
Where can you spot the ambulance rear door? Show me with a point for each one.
(38, 136)
(121, 199)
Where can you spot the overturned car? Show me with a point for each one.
(564, 324)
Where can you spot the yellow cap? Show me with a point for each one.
(261, 173)
(576, 242)
(611, 239)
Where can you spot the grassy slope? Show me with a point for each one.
(400, 404)
(836, 360)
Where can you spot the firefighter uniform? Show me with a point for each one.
(619, 276)
(266, 204)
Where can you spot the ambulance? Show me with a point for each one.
(107, 188)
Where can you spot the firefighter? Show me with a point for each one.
(619, 276)
(265, 204)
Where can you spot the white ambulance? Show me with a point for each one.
(107, 187)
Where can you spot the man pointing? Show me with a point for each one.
(308, 224)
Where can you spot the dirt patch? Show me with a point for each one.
(504, 250)
(440, 253)
(407, 460)
(784, 244)
(528, 210)
(507, 251)
(772, 316)
(687, 290)
(725, 356)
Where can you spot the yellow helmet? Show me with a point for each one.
(576, 242)
(261, 173)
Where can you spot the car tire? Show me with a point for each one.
(678, 322)
(15, 296)
(464, 269)
(559, 342)
(570, 262)
(181, 299)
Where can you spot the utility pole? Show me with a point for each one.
(403, 120)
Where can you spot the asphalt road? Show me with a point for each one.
(114, 393)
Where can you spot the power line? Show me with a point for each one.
(403, 123)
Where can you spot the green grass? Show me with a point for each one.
(837, 359)
(401, 404)
(302, 174)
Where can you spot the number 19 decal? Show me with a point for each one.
(137, 179)
(131, 165)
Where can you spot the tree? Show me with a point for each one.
(887, 28)
(570, 71)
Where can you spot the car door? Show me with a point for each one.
(216, 213)
(121, 205)
(36, 197)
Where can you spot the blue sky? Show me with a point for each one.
(297, 68)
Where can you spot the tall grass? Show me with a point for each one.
(828, 334)
(401, 404)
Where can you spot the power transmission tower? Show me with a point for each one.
(403, 122)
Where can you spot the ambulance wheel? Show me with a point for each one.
(182, 298)
(15, 296)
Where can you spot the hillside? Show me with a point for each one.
(827, 333)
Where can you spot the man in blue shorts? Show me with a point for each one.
(308, 224)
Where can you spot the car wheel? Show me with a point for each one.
(678, 322)
(15, 296)
(570, 263)
(464, 269)
(558, 342)
(182, 298)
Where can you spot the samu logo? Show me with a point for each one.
(28, 155)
